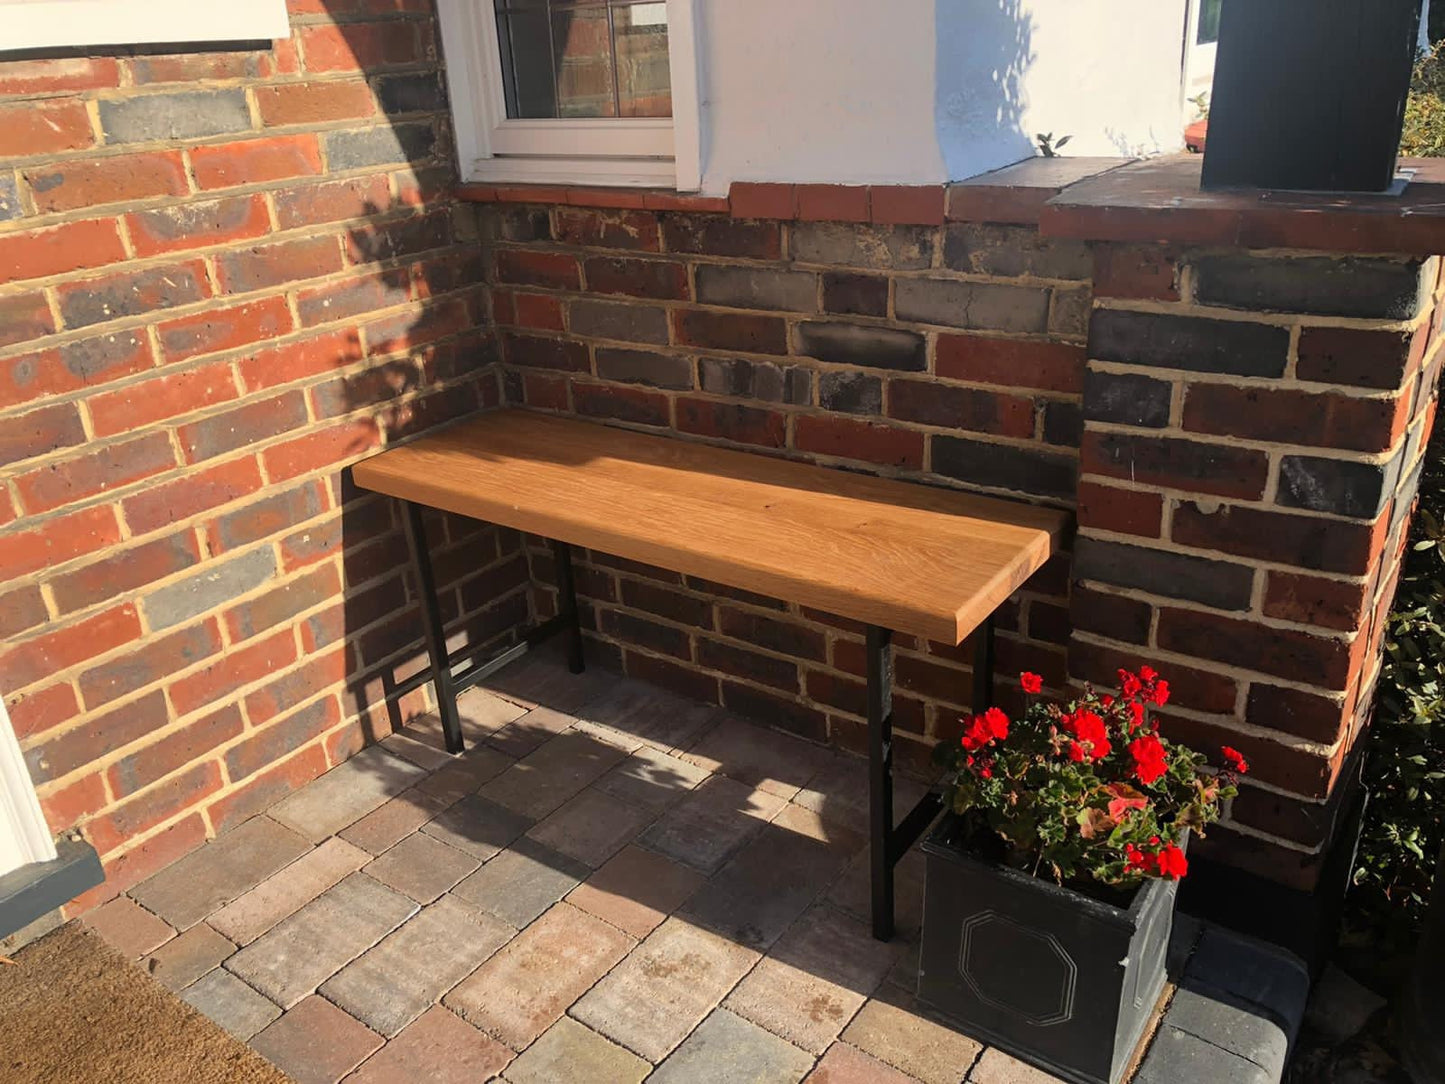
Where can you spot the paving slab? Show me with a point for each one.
(765, 886)
(522, 990)
(287, 891)
(895, 1032)
(422, 867)
(665, 987)
(306, 949)
(520, 883)
(570, 1052)
(465, 775)
(844, 1064)
(1234, 1024)
(726, 1048)
(477, 827)
(1256, 972)
(419, 753)
(766, 759)
(231, 1003)
(128, 927)
(852, 892)
(316, 1043)
(392, 984)
(530, 732)
(543, 780)
(541, 678)
(839, 792)
(711, 822)
(346, 793)
(390, 823)
(591, 827)
(636, 890)
(651, 715)
(652, 779)
(480, 711)
(815, 979)
(184, 959)
(1176, 1056)
(217, 872)
(996, 1067)
(437, 1048)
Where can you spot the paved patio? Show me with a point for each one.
(611, 884)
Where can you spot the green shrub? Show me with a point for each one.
(1424, 135)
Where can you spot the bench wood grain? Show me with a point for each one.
(911, 558)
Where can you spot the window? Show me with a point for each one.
(574, 91)
(1209, 21)
(52, 24)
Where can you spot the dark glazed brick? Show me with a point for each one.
(856, 295)
(1303, 541)
(649, 634)
(1316, 718)
(623, 404)
(618, 320)
(1063, 423)
(853, 393)
(1125, 619)
(1286, 416)
(1360, 358)
(718, 235)
(1012, 251)
(143, 118)
(9, 199)
(757, 288)
(410, 94)
(644, 367)
(979, 305)
(1126, 399)
(763, 380)
(732, 421)
(773, 634)
(1179, 464)
(885, 248)
(1004, 466)
(545, 353)
(110, 298)
(502, 223)
(1171, 575)
(1285, 653)
(380, 146)
(660, 279)
(1367, 288)
(1345, 488)
(731, 331)
(1188, 342)
(783, 712)
(952, 407)
(868, 347)
(752, 665)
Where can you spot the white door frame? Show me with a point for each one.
(24, 835)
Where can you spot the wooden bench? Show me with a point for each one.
(895, 556)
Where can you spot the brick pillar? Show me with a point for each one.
(1254, 427)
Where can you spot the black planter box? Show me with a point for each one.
(1310, 94)
(1051, 976)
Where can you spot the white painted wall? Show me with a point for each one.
(923, 91)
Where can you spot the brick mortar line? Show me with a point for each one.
(1183, 378)
(1253, 316)
(1262, 564)
(1272, 448)
(1195, 497)
(1278, 841)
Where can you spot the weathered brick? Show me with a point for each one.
(359, 46)
(149, 663)
(854, 294)
(23, 318)
(960, 408)
(1047, 366)
(59, 74)
(124, 571)
(132, 293)
(1313, 600)
(249, 424)
(56, 250)
(1136, 271)
(1341, 486)
(597, 228)
(253, 161)
(1317, 718)
(1160, 572)
(659, 279)
(168, 502)
(1295, 417)
(982, 305)
(732, 421)
(143, 118)
(40, 432)
(1127, 399)
(90, 183)
(731, 331)
(556, 270)
(159, 804)
(21, 610)
(888, 248)
(224, 329)
(58, 540)
(757, 288)
(644, 367)
(1181, 464)
(274, 265)
(1366, 287)
(1005, 466)
(381, 145)
(1128, 511)
(719, 235)
(68, 481)
(204, 591)
(1012, 251)
(177, 749)
(36, 128)
(162, 396)
(1358, 357)
(408, 236)
(332, 201)
(851, 393)
(1195, 343)
(95, 737)
(10, 207)
(617, 320)
(314, 103)
(622, 404)
(275, 365)
(1286, 653)
(763, 380)
(419, 92)
(866, 346)
(854, 438)
(1108, 615)
(532, 350)
(194, 225)
(70, 645)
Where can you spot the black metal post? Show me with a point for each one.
(983, 666)
(567, 605)
(436, 639)
(880, 777)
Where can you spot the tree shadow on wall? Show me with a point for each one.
(985, 48)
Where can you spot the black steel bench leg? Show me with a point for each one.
(880, 777)
(567, 605)
(983, 667)
(436, 640)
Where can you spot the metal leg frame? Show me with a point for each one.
(442, 671)
(887, 843)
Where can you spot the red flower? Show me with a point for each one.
(997, 723)
(977, 735)
(1160, 694)
(1172, 863)
(1077, 753)
(1150, 761)
(1130, 684)
(1148, 674)
(1236, 760)
(1136, 715)
(1089, 731)
(1107, 701)
(1032, 683)
(986, 770)
(1137, 859)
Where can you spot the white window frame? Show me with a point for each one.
(51, 24)
(640, 152)
(24, 835)
(1198, 59)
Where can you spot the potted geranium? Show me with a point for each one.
(1051, 879)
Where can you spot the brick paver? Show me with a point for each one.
(286, 892)
(543, 780)
(465, 775)
(419, 753)
(568, 1051)
(655, 716)
(389, 986)
(390, 823)
(996, 1067)
(591, 827)
(663, 989)
(533, 730)
(522, 882)
(844, 1064)
(477, 827)
(184, 959)
(421, 867)
(437, 1048)
(305, 950)
(711, 822)
(726, 1048)
(217, 872)
(129, 928)
(652, 779)
(522, 990)
(316, 1043)
(898, 1035)
(761, 758)
(636, 890)
(231, 1003)
(346, 793)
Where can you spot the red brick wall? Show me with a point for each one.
(223, 276)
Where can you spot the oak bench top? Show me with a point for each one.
(911, 558)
